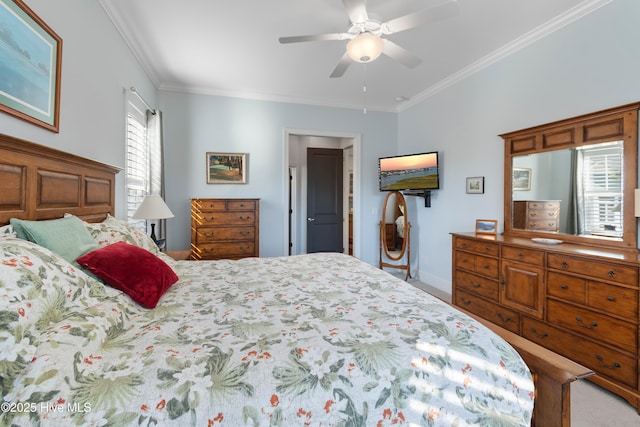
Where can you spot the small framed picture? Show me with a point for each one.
(226, 168)
(475, 185)
(486, 226)
(521, 179)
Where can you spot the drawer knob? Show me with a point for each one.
(486, 266)
(464, 245)
(604, 365)
(477, 285)
(612, 274)
(504, 319)
(584, 325)
(565, 264)
(487, 249)
(564, 286)
(520, 255)
(542, 335)
(611, 298)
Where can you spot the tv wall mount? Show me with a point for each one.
(420, 193)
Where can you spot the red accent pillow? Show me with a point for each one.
(135, 271)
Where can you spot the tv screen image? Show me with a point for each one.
(409, 172)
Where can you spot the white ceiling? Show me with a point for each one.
(231, 48)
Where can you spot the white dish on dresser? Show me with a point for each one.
(546, 241)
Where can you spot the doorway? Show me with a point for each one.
(296, 187)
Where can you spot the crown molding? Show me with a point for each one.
(549, 27)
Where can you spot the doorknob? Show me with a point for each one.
(311, 219)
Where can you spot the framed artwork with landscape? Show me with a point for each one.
(226, 168)
(475, 185)
(30, 66)
(486, 226)
(521, 179)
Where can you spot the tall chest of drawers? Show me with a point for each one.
(541, 215)
(580, 302)
(225, 228)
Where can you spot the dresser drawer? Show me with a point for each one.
(542, 215)
(486, 266)
(479, 285)
(211, 234)
(495, 313)
(476, 263)
(608, 272)
(616, 300)
(225, 250)
(598, 326)
(552, 205)
(605, 361)
(485, 248)
(241, 205)
(543, 224)
(227, 218)
(523, 255)
(567, 287)
(465, 260)
(208, 205)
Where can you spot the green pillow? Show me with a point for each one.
(68, 237)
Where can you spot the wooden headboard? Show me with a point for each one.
(38, 182)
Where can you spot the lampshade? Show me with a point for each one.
(152, 207)
(366, 47)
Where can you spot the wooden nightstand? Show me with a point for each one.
(179, 255)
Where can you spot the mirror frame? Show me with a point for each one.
(619, 123)
(383, 231)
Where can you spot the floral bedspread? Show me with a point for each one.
(312, 340)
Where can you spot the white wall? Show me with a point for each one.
(592, 64)
(96, 68)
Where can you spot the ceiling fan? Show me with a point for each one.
(366, 34)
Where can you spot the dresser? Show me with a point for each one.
(540, 215)
(578, 301)
(225, 228)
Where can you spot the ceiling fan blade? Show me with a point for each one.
(400, 54)
(342, 66)
(431, 14)
(356, 10)
(313, 38)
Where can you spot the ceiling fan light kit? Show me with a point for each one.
(366, 47)
(367, 34)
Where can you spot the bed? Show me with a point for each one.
(319, 339)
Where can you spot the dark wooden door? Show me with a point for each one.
(324, 200)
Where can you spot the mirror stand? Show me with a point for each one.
(395, 234)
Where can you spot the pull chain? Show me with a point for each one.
(364, 88)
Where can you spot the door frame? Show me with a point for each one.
(357, 172)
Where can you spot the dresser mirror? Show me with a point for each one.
(574, 180)
(395, 232)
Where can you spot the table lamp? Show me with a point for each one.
(152, 208)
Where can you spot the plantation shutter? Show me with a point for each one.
(603, 186)
(137, 168)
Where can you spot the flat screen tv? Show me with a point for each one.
(409, 172)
